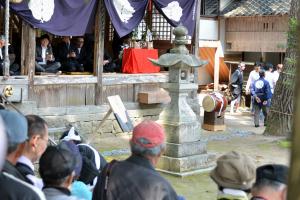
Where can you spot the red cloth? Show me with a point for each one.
(136, 61)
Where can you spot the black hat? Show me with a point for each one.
(278, 173)
(261, 73)
(56, 163)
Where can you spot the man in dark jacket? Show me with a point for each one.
(45, 61)
(14, 68)
(35, 146)
(83, 55)
(57, 169)
(12, 184)
(136, 177)
(261, 93)
(66, 55)
(236, 86)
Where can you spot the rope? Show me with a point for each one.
(281, 112)
(290, 74)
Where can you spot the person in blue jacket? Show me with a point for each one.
(261, 93)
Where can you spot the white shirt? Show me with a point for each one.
(253, 76)
(44, 53)
(1, 56)
(37, 182)
(269, 76)
(275, 76)
(79, 49)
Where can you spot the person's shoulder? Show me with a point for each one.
(24, 189)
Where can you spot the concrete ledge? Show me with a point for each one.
(186, 164)
(185, 149)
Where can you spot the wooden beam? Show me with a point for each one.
(28, 45)
(196, 37)
(217, 70)
(99, 50)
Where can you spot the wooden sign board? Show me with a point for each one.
(120, 112)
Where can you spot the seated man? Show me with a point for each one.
(108, 64)
(34, 148)
(14, 68)
(271, 182)
(12, 185)
(83, 56)
(67, 56)
(234, 175)
(136, 177)
(45, 61)
(57, 169)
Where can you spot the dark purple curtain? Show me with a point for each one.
(178, 12)
(125, 15)
(59, 17)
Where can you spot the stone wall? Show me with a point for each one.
(86, 119)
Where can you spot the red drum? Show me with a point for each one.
(214, 102)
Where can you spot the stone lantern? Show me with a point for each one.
(185, 152)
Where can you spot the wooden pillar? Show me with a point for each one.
(216, 70)
(196, 37)
(28, 45)
(294, 173)
(99, 51)
(196, 47)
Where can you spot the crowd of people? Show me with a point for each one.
(69, 55)
(74, 170)
(260, 85)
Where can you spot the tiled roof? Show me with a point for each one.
(257, 7)
(211, 7)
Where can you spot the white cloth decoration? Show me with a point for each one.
(124, 10)
(173, 11)
(42, 9)
(259, 84)
(72, 136)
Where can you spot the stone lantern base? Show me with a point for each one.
(185, 153)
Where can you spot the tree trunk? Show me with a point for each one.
(280, 118)
(294, 173)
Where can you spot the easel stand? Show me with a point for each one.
(117, 107)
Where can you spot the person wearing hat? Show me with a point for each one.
(271, 182)
(14, 68)
(45, 61)
(35, 146)
(261, 93)
(57, 169)
(234, 175)
(136, 177)
(78, 188)
(12, 182)
(236, 86)
(93, 161)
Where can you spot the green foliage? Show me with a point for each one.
(292, 33)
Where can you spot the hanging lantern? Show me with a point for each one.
(15, 1)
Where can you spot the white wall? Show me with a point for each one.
(208, 29)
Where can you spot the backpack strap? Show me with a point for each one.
(105, 178)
